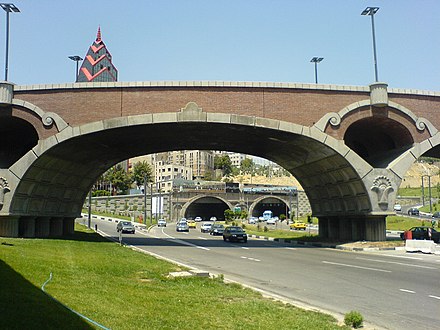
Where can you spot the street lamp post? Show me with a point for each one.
(76, 58)
(316, 60)
(370, 11)
(429, 191)
(145, 199)
(8, 8)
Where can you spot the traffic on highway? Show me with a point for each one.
(388, 287)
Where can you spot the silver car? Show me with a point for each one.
(182, 226)
(125, 227)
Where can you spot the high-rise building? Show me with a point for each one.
(97, 65)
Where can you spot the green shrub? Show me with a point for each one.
(353, 319)
(265, 229)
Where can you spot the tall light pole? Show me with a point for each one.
(76, 58)
(316, 60)
(370, 11)
(8, 8)
(145, 199)
(429, 191)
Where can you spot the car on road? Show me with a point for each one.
(397, 207)
(271, 221)
(198, 219)
(161, 223)
(253, 220)
(182, 226)
(125, 227)
(206, 227)
(436, 215)
(192, 224)
(413, 211)
(298, 225)
(213, 219)
(234, 233)
(422, 232)
(217, 229)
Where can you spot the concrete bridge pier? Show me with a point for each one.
(358, 228)
(29, 227)
(42, 227)
(9, 226)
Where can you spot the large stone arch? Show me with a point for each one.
(52, 180)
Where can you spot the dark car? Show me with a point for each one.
(413, 211)
(234, 233)
(125, 227)
(436, 215)
(217, 229)
(422, 232)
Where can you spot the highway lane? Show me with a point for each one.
(391, 289)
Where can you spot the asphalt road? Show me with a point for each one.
(391, 289)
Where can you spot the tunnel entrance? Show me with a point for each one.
(207, 207)
(273, 204)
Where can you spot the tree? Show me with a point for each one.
(229, 215)
(247, 166)
(140, 171)
(119, 179)
(223, 163)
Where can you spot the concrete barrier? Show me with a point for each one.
(420, 245)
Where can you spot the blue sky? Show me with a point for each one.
(229, 40)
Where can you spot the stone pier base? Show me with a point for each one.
(360, 228)
(11, 226)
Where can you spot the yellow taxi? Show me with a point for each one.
(298, 225)
(191, 224)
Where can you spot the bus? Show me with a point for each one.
(267, 215)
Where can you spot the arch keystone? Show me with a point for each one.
(191, 112)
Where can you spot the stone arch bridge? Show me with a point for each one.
(348, 146)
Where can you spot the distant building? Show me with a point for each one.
(165, 174)
(97, 65)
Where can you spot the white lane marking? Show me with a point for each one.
(403, 257)
(396, 263)
(185, 243)
(251, 259)
(435, 297)
(290, 248)
(244, 247)
(354, 266)
(204, 238)
(408, 291)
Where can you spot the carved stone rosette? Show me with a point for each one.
(382, 187)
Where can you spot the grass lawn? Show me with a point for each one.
(124, 289)
(405, 192)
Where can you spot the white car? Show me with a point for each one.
(198, 219)
(213, 219)
(397, 207)
(253, 220)
(161, 223)
(271, 221)
(206, 227)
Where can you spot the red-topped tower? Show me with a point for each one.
(97, 65)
